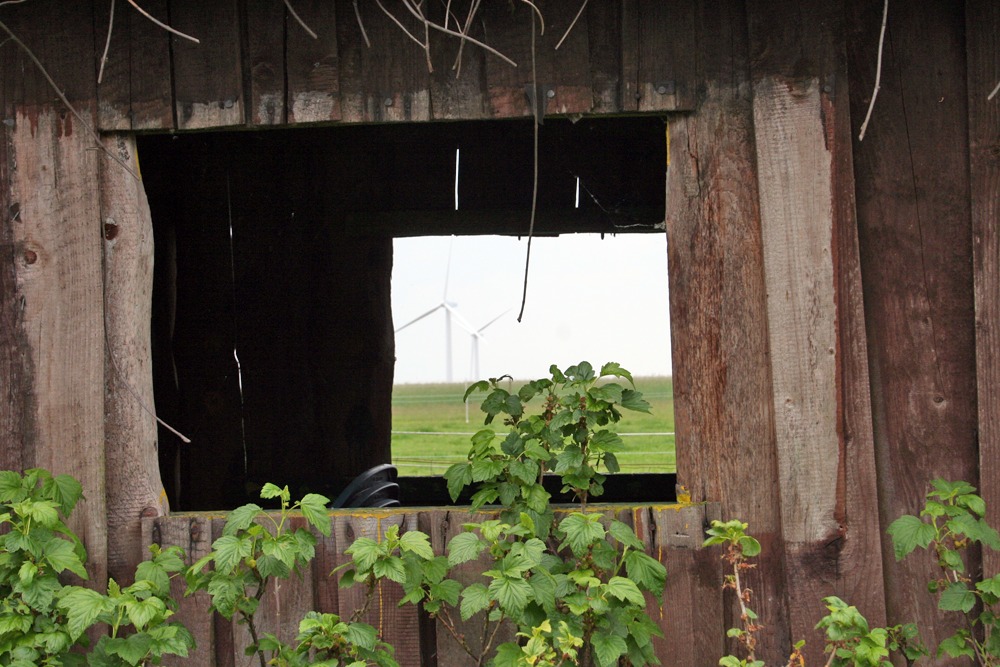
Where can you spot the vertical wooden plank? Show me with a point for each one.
(223, 631)
(58, 290)
(284, 604)
(630, 55)
(982, 45)
(458, 87)
(803, 140)
(399, 626)
(691, 615)
(604, 21)
(915, 242)
(17, 400)
(265, 61)
(446, 525)
(667, 72)
(325, 584)
(61, 37)
(208, 81)
(724, 417)
(151, 76)
(135, 89)
(133, 483)
(563, 75)
(313, 64)
(114, 90)
(193, 533)
(387, 81)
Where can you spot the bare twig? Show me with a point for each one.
(541, 19)
(534, 187)
(417, 11)
(11, 2)
(107, 43)
(162, 24)
(291, 10)
(481, 45)
(473, 8)
(399, 23)
(573, 23)
(994, 93)
(449, 31)
(361, 24)
(62, 97)
(878, 72)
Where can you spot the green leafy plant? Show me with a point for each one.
(587, 577)
(850, 641)
(324, 639)
(569, 435)
(950, 522)
(254, 549)
(740, 547)
(41, 618)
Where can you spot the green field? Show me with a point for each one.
(430, 431)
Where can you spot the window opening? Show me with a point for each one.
(273, 340)
(597, 296)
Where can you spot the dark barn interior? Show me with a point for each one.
(272, 328)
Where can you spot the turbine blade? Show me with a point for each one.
(461, 321)
(420, 317)
(482, 328)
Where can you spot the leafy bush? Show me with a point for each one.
(575, 593)
(42, 619)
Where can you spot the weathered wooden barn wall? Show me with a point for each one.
(833, 301)
(690, 618)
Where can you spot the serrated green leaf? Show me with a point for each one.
(615, 369)
(581, 531)
(83, 607)
(241, 518)
(418, 543)
(364, 551)
(625, 535)
(390, 568)
(464, 547)
(65, 490)
(270, 490)
(141, 612)
(956, 646)
(314, 508)
(511, 593)
(957, 598)
(646, 571)
(909, 532)
(62, 556)
(608, 648)
(475, 598)
(229, 551)
(361, 634)
(607, 441)
(10, 486)
(458, 475)
(973, 502)
(482, 385)
(484, 470)
(633, 400)
(626, 591)
(155, 574)
(608, 393)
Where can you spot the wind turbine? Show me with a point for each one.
(449, 312)
(451, 317)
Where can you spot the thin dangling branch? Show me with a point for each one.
(536, 114)
(162, 24)
(878, 72)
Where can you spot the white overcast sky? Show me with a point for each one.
(588, 299)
